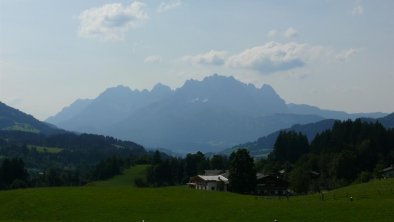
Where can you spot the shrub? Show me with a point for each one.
(139, 182)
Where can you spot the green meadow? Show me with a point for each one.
(23, 127)
(118, 200)
(126, 179)
(45, 149)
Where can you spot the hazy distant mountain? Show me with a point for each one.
(387, 121)
(70, 111)
(329, 114)
(13, 119)
(207, 115)
(111, 106)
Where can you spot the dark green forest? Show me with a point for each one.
(350, 152)
(65, 159)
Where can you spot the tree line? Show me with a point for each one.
(173, 171)
(352, 151)
(166, 170)
(74, 162)
(14, 174)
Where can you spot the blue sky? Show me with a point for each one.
(332, 54)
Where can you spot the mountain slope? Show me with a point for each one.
(41, 145)
(70, 111)
(13, 119)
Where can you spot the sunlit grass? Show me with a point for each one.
(125, 179)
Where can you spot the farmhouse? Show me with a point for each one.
(388, 172)
(217, 180)
(271, 185)
(214, 183)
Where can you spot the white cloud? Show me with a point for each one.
(358, 10)
(210, 58)
(166, 6)
(111, 21)
(273, 33)
(347, 54)
(290, 33)
(270, 57)
(153, 59)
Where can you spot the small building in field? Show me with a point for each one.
(271, 185)
(211, 183)
(388, 172)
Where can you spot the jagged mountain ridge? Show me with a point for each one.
(111, 106)
(208, 115)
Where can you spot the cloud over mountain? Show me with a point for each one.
(111, 21)
(346, 54)
(166, 6)
(212, 57)
(152, 59)
(290, 33)
(272, 33)
(271, 57)
(358, 10)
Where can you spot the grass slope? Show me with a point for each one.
(125, 179)
(23, 127)
(373, 201)
(45, 149)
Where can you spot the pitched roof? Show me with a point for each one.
(214, 178)
(388, 168)
(212, 172)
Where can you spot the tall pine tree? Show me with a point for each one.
(242, 171)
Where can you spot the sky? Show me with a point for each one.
(334, 54)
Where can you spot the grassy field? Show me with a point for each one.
(126, 179)
(372, 201)
(23, 127)
(45, 149)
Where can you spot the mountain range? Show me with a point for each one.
(208, 115)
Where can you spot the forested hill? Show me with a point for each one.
(13, 119)
(352, 151)
(64, 150)
(263, 145)
(41, 145)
